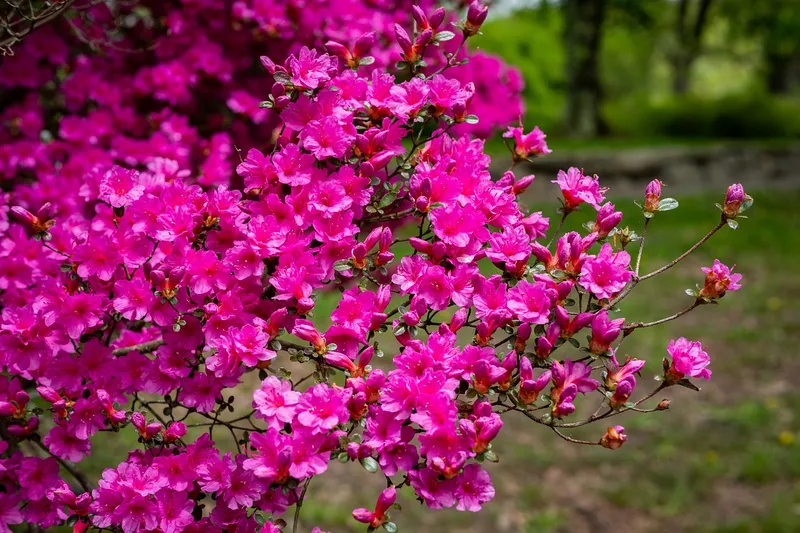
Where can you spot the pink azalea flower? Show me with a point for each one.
(120, 187)
(308, 70)
(326, 138)
(473, 488)
(578, 189)
(531, 302)
(293, 167)
(604, 332)
(133, 299)
(97, 257)
(435, 288)
(275, 401)
(322, 408)
(246, 345)
(79, 313)
(40, 476)
(528, 144)
(64, 445)
(719, 280)
(175, 511)
(513, 244)
(688, 360)
(607, 273)
(569, 379)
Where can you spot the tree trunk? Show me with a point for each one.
(688, 43)
(778, 68)
(583, 35)
(681, 69)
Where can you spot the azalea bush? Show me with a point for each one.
(142, 297)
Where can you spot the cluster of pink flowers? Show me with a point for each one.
(140, 301)
(175, 87)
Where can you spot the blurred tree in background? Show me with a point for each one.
(654, 69)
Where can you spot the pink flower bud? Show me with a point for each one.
(404, 41)
(276, 321)
(458, 320)
(521, 185)
(652, 195)
(174, 431)
(523, 334)
(305, 330)
(420, 245)
(437, 18)
(733, 200)
(419, 17)
(7, 408)
(363, 44)
(476, 15)
(49, 394)
(614, 438)
(339, 50)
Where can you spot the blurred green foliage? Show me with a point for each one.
(735, 90)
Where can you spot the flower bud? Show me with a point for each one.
(521, 185)
(663, 405)
(476, 15)
(607, 219)
(437, 18)
(523, 334)
(614, 438)
(652, 195)
(458, 320)
(733, 201)
(363, 44)
(404, 41)
(339, 50)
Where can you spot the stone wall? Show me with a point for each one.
(680, 168)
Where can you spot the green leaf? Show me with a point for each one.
(390, 527)
(574, 342)
(688, 384)
(747, 204)
(266, 104)
(260, 520)
(369, 464)
(667, 204)
(341, 266)
(400, 65)
(388, 199)
(471, 119)
(282, 77)
(443, 36)
(732, 224)
(366, 61)
(691, 292)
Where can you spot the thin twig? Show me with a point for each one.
(300, 504)
(79, 476)
(641, 246)
(635, 325)
(684, 254)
